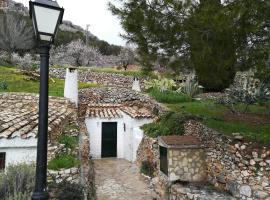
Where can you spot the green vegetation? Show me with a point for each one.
(169, 96)
(210, 36)
(16, 82)
(171, 123)
(61, 161)
(214, 116)
(69, 141)
(17, 182)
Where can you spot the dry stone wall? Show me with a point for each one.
(240, 167)
(102, 78)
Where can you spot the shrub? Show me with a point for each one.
(161, 84)
(190, 88)
(67, 191)
(65, 161)
(171, 123)
(169, 96)
(18, 182)
(24, 63)
(147, 168)
(3, 85)
(69, 141)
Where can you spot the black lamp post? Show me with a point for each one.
(46, 16)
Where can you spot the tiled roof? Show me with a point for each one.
(179, 141)
(115, 111)
(19, 114)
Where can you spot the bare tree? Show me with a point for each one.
(126, 57)
(16, 33)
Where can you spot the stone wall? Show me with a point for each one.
(71, 175)
(187, 165)
(148, 151)
(102, 78)
(235, 165)
(87, 165)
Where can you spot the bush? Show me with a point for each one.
(69, 141)
(190, 88)
(67, 191)
(3, 85)
(65, 161)
(24, 63)
(147, 168)
(169, 96)
(171, 123)
(18, 182)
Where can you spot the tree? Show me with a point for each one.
(211, 44)
(16, 33)
(126, 57)
(75, 53)
(252, 29)
(156, 27)
(214, 38)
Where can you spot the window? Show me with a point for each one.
(163, 160)
(2, 161)
(124, 127)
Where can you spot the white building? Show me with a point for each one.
(114, 130)
(19, 125)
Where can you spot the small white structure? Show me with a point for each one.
(114, 130)
(17, 150)
(136, 85)
(71, 85)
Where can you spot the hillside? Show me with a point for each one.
(68, 31)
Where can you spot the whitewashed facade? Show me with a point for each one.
(129, 135)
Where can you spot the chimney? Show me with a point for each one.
(71, 85)
(136, 85)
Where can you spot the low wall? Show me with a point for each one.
(71, 175)
(103, 78)
(242, 168)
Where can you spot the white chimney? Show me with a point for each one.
(136, 85)
(71, 85)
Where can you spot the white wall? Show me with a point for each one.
(127, 141)
(71, 86)
(19, 150)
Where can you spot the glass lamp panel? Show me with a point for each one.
(46, 19)
(45, 37)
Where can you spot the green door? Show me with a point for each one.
(109, 139)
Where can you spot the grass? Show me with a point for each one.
(69, 141)
(169, 97)
(17, 82)
(212, 116)
(63, 161)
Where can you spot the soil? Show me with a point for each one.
(254, 119)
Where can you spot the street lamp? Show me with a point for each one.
(46, 16)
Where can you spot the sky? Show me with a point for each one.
(95, 13)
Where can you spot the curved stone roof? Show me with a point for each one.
(19, 114)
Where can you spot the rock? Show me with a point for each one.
(245, 190)
(252, 162)
(232, 187)
(260, 194)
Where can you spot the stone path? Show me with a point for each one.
(118, 179)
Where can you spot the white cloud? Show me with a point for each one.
(94, 12)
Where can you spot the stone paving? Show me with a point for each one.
(118, 179)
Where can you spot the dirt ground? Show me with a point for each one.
(118, 179)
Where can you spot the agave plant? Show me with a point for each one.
(161, 84)
(190, 88)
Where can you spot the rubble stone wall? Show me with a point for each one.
(235, 165)
(102, 78)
